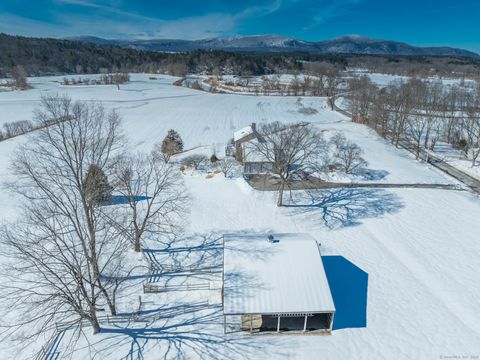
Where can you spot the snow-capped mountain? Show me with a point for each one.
(350, 44)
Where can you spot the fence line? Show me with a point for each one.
(186, 268)
(155, 288)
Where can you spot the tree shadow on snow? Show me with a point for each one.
(122, 199)
(179, 325)
(199, 253)
(371, 174)
(345, 206)
(186, 331)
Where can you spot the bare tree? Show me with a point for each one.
(154, 193)
(290, 148)
(362, 95)
(177, 69)
(295, 86)
(66, 260)
(113, 79)
(332, 85)
(431, 109)
(325, 73)
(19, 76)
(195, 161)
(380, 114)
(450, 112)
(416, 129)
(16, 128)
(270, 84)
(436, 134)
(348, 154)
(306, 84)
(227, 165)
(401, 102)
(472, 129)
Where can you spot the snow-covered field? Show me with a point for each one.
(419, 247)
(386, 79)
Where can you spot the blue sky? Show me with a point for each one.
(418, 22)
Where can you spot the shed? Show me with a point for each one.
(276, 283)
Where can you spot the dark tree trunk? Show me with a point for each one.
(95, 325)
(280, 194)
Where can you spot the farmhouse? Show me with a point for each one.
(275, 283)
(251, 148)
(245, 150)
(242, 136)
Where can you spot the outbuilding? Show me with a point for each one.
(275, 283)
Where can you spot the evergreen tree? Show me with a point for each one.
(171, 144)
(214, 158)
(96, 185)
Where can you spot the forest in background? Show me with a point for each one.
(44, 56)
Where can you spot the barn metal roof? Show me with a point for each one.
(263, 277)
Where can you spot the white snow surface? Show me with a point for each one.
(283, 276)
(419, 247)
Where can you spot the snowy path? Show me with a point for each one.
(270, 183)
(470, 181)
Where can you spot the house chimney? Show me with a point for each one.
(254, 126)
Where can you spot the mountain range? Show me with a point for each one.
(350, 44)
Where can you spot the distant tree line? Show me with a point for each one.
(20, 127)
(423, 66)
(41, 56)
(444, 66)
(318, 78)
(15, 128)
(105, 79)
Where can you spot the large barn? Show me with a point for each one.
(275, 283)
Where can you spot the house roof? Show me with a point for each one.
(240, 134)
(261, 277)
